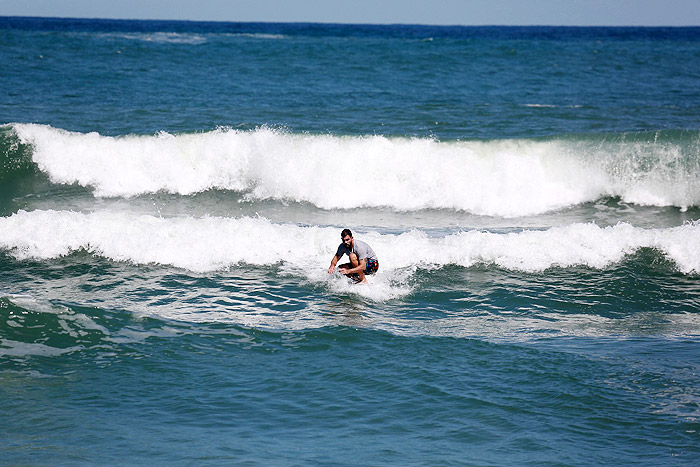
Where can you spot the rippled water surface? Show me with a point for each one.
(171, 195)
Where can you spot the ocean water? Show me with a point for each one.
(171, 194)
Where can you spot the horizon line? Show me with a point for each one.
(331, 23)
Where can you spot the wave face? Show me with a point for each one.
(497, 178)
(15, 157)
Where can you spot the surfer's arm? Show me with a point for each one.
(334, 261)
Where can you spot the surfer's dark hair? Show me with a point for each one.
(345, 232)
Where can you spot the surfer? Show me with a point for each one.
(363, 260)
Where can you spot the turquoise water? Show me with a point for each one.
(171, 195)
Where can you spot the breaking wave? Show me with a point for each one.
(213, 243)
(508, 178)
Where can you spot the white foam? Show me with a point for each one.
(162, 37)
(500, 178)
(10, 348)
(257, 35)
(213, 243)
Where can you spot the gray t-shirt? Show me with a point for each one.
(360, 248)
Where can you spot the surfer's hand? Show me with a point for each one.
(331, 270)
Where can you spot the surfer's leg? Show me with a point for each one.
(355, 263)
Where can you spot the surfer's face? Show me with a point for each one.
(348, 241)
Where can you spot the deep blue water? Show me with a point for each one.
(172, 193)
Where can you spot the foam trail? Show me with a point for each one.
(499, 178)
(213, 243)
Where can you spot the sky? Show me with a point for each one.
(438, 12)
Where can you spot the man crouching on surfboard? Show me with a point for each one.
(362, 258)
